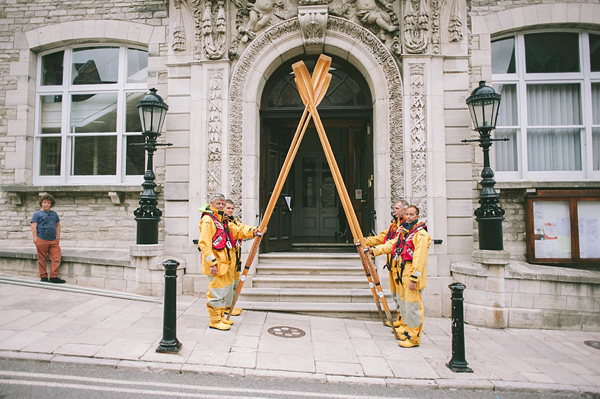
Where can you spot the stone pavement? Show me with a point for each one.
(48, 324)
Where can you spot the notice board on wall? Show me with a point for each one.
(563, 227)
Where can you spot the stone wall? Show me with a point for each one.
(504, 293)
(26, 28)
(87, 219)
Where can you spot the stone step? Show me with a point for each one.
(367, 311)
(309, 281)
(302, 270)
(312, 295)
(306, 258)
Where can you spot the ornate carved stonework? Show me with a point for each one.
(418, 138)
(178, 29)
(455, 24)
(436, 6)
(215, 130)
(214, 29)
(210, 28)
(292, 27)
(313, 22)
(416, 28)
(255, 15)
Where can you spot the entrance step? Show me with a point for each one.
(316, 283)
(340, 295)
(309, 281)
(324, 247)
(361, 311)
(309, 258)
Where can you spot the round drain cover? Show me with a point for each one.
(286, 332)
(593, 344)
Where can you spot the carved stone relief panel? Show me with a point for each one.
(210, 26)
(418, 138)
(355, 33)
(215, 130)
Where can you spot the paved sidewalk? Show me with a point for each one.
(57, 326)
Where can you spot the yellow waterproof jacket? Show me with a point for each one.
(417, 269)
(224, 259)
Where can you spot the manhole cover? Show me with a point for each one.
(286, 332)
(593, 344)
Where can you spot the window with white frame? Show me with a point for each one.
(550, 108)
(87, 116)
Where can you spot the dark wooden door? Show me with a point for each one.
(275, 143)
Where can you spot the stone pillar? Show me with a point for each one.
(485, 297)
(148, 278)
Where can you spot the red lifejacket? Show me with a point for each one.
(392, 231)
(222, 237)
(405, 247)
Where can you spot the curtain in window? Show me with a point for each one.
(554, 127)
(596, 125)
(508, 116)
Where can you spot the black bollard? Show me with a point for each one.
(458, 363)
(169, 342)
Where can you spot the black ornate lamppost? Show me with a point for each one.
(483, 104)
(153, 111)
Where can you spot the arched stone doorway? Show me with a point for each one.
(255, 66)
(309, 210)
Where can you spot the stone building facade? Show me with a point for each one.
(219, 65)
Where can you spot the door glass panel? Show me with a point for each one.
(309, 182)
(327, 185)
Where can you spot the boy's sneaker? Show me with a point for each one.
(57, 280)
(44, 279)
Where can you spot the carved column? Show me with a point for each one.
(418, 137)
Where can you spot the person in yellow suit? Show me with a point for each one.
(410, 248)
(237, 246)
(383, 237)
(218, 258)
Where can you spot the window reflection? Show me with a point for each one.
(95, 155)
(51, 111)
(552, 52)
(96, 114)
(137, 66)
(503, 55)
(52, 69)
(95, 65)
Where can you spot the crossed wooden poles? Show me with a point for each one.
(312, 90)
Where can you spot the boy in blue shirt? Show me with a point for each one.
(45, 227)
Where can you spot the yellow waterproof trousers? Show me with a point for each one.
(396, 290)
(411, 308)
(219, 295)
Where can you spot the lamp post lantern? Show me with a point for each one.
(153, 111)
(483, 105)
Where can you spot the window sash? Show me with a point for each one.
(586, 161)
(122, 90)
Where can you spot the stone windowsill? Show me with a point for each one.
(115, 192)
